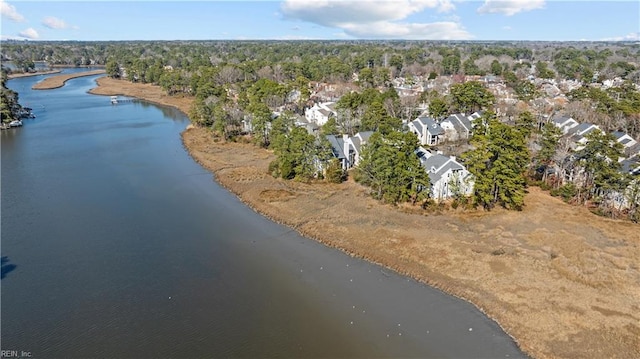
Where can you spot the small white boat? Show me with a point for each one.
(15, 123)
(114, 100)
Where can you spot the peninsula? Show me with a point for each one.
(559, 279)
(59, 80)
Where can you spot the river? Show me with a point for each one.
(115, 243)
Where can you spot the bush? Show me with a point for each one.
(567, 192)
(335, 173)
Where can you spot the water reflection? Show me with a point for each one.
(6, 267)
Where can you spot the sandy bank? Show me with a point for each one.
(563, 282)
(27, 74)
(58, 81)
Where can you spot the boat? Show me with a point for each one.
(15, 123)
(114, 100)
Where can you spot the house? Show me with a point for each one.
(427, 130)
(631, 166)
(578, 134)
(624, 139)
(458, 126)
(338, 147)
(321, 112)
(353, 147)
(447, 176)
(565, 123)
(348, 150)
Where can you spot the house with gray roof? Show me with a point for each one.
(458, 126)
(320, 113)
(448, 177)
(564, 123)
(578, 134)
(427, 130)
(348, 149)
(624, 139)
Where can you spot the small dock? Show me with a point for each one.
(115, 100)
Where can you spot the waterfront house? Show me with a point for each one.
(447, 176)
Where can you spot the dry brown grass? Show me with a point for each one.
(53, 82)
(562, 281)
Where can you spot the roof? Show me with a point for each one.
(631, 166)
(359, 139)
(337, 146)
(618, 134)
(451, 165)
(460, 122)
(430, 124)
(560, 120)
(581, 129)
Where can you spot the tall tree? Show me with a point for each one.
(498, 161)
(438, 108)
(599, 159)
(391, 168)
(548, 146)
(470, 97)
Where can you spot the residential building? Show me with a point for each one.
(565, 123)
(427, 130)
(448, 177)
(321, 112)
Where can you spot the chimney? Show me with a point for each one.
(345, 149)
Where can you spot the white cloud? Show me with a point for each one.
(10, 12)
(633, 36)
(509, 7)
(29, 33)
(376, 19)
(54, 23)
(506, 28)
(433, 31)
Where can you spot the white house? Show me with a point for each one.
(427, 130)
(565, 123)
(447, 176)
(348, 150)
(624, 139)
(578, 134)
(458, 126)
(321, 112)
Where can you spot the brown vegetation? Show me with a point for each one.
(561, 280)
(59, 80)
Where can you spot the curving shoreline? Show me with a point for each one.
(53, 82)
(562, 281)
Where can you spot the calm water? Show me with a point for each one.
(115, 243)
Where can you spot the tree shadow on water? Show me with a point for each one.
(6, 267)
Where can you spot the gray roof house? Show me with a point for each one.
(565, 123)
(457, 126)
(447, 176)
(348, 149)
(624, 139)
(427, 130)
(579, 132)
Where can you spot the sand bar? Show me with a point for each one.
(59, 80)
(562, 281)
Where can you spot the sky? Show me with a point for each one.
(534, 20)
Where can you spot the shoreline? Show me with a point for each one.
(28, 74)
(58, 81)
(558, 279)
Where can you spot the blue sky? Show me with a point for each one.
(549, 20)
